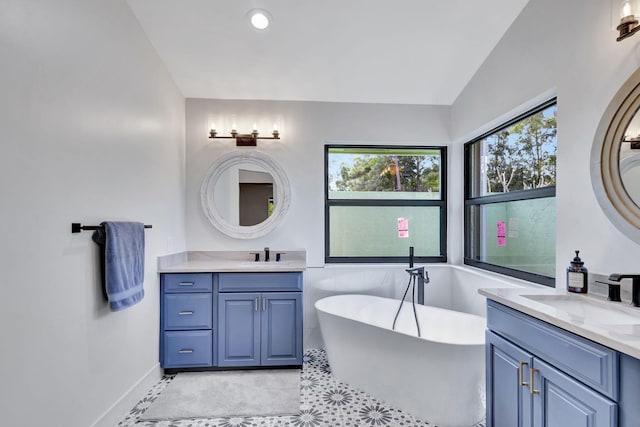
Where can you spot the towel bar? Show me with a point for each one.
(76, 227)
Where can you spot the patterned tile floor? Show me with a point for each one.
(325, 402)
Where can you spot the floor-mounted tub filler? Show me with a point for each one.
(438, 377)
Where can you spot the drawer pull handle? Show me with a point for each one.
(264, 304)
(185, 313)
(185, 351)
(256, 304)
(532, 389)
(186, 284)
(520, 370)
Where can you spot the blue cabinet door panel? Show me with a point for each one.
(561, 401)
(239, 329)
(187, 311)
(281, 328)
(187, 349)
(508, 401)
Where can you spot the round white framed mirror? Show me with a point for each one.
(245, 194)
(615, 159)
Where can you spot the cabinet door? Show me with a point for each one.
(281, 328)
(560, 401)
(508, 398)
(239, 329)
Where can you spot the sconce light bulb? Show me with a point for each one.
(255, 128)
(213, 126)
(275, 127)
(626, 9)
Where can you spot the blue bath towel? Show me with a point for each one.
(123, 262)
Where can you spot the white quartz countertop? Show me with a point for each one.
(612, 324)
(231, 261)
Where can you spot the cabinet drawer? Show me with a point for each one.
(187, 282)
(187, 349)
(589, 362)
(187, 311)
(258, 282)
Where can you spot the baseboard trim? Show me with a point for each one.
(123, 405)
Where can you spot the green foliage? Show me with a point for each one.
(524, 156)
(390, 173)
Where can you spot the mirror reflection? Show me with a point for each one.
(629, 159)
(244, 194)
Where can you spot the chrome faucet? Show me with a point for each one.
(635, 289)
(266, 254)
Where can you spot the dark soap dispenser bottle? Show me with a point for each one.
(577, 276)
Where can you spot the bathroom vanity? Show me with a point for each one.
(552, 362)
(219, 310)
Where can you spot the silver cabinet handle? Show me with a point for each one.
(185, 351)
(532, 389)
(264, 304)
(256, 304)
(520, 370)
(185, 313)
(185, 284)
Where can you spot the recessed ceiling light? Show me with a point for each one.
(259, 19)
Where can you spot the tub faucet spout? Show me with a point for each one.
(422, 276)
(635, 290)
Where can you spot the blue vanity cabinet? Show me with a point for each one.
(260, 319)
(186, 320)
(539, 375)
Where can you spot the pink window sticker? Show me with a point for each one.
(403, 228)
(501, 233)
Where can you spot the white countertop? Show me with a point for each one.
(231, 261)
(624, 337)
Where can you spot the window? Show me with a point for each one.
(510, 209)
(380, 200)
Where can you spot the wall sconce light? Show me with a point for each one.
(634, 142)
(246, 139)
(628, 22)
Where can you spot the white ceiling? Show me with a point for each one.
(373, 51)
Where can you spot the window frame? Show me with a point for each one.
(512, 196)
(441, 204)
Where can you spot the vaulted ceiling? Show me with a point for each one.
(372, 51)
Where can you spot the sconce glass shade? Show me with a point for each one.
(628, 22)
(626, 10)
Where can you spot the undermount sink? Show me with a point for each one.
(262, 264)
(589, 310)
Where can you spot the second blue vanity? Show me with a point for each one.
(546, 367)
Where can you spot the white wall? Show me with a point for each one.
(567, 48)
(92, 129)
(304, 127)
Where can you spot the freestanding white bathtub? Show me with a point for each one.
(438, 378)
